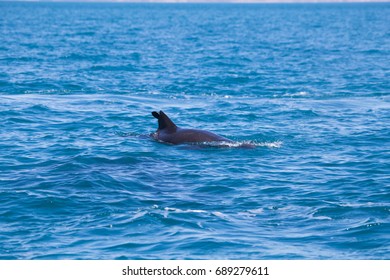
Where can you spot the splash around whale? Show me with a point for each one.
(169, 132)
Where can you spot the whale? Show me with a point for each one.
(169, 132)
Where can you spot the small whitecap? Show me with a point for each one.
(197, 211)
(176, 210)
(256, 211)
(301, 93)
(321, 217)
(297, 94)
(220, 215)
(138, 215)
(275, 144)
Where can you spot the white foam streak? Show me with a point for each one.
(138, 215)
(276, 144)
(244, 144)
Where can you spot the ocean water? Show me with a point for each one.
(308, 84)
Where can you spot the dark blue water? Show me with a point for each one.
(309, 85)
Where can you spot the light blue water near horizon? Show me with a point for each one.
(308, 84)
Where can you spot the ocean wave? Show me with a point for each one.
(81, 178)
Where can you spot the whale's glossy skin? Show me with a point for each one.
(168, 132)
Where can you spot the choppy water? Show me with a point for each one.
(309, 84)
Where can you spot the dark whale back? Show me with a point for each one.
(168, 132)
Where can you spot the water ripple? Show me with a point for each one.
(80, 178)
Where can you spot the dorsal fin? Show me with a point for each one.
(164, 122)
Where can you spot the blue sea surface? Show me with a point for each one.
(307, 84)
